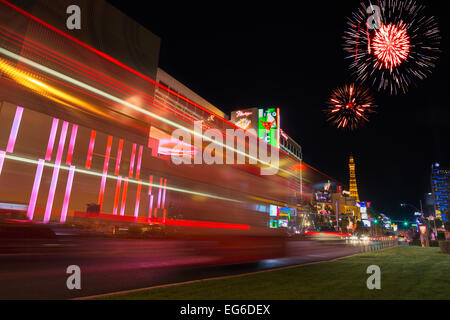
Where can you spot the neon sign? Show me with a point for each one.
(243, 113)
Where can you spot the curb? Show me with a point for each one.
(104, 295)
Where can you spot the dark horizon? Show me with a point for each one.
(292, 57)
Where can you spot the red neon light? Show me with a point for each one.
(67, 194)
(138, 197)
(133, 156)
(139, 161)
(169, 222)
(14, 130)
(51, 193)
(164, 193)
(2, 160)
(91, 149)
(35, 191)
(116, 196)
(124, 196)
(150, 206)
(159, 193)
(105, 172)
(51, 139)
(73, 138)
(119, 156)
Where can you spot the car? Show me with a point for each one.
(326, 233)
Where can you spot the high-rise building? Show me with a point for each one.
(353, 186)
(440, 184)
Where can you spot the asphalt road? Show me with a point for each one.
(107, 265)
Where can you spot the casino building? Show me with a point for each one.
(440, 184)
(86, 117)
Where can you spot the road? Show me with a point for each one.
(108, 265)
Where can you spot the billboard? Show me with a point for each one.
(274, 224)
(273, 210)
(245, 119)
(269, 125)
(283, 223)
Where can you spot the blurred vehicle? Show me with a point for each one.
(326, 233)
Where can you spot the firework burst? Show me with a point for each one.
(349, 107)
(400, 50)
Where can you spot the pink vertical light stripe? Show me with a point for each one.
(51, 140)
(14, 130)
(164, 193)
(124, 196)
(35, 191)
(73, 138)
(139, 161)
(2, 160)
(116, 196)
(138, 198)
(150, 207)
(105, 172)
(159, 192)
(133, 157)
(150, 185)
(119, 156)
(67, 194)
(51, 193)
(91, 149)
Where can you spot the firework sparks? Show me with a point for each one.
(391, 45)
(402, 50)
(349, 107)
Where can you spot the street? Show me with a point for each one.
(115, 265)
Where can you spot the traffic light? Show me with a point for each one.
(405, 224)
(375, 221)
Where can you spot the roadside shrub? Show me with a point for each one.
(445, 246)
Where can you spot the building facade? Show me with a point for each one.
(440, 184)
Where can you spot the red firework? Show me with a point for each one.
(349, 107)
(391, 45)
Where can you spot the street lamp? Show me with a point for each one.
(410, 205)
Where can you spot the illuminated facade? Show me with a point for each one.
(352, 184)
(290, 146)
(104, 129)
(440, 183)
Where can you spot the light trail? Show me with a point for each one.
(131, 106)
(99, 174)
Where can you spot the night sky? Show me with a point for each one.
(238, 55)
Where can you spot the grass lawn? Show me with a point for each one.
(406, 273)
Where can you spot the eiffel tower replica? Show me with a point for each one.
(353, 186)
